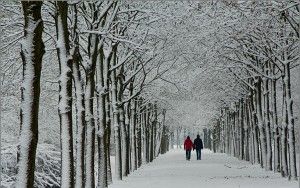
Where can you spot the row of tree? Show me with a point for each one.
(260, 125)
(104, 65)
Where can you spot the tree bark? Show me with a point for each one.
(80, 122)
(139, 134)
(284, 144)
(116, 123)
(32, 51)
(107, 136)
(275, 124)
(133, 125)
(89, 104)
(242, 131)
(101, 122)
(290, 124)
(268, 165)
(261, 125)
(80, 106)
(65, 95)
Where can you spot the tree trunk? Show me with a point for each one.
(139, 134)
(155, 132)
(247, 132)
(32, 51)
(124, 143)
(107, 136)
(89, 104)
(234, 133)
(102, 160)
(227, 131)
(290, 124)
(284, 160)
(253, 111)
(254, 126)
(80, 106)
(268, 165)
(107, 131)
(65, 95)
(242, 131)
(144, 135)
(133, 135)
(116, 123)
(147, 132)
(123, 125)
(80, 122)
(261, 125)
(101, 123)
(164, 133)
(274, 118)
(151, 131)
(90, 132)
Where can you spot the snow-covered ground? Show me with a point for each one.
(215, 170)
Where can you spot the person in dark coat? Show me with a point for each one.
(198, 145)
(188, 146)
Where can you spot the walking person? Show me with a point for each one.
(188, 146)
(198, 145)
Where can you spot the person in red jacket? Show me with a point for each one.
(188, 146)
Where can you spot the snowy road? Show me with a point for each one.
(215, 170)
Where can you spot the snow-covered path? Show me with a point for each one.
(215, 170)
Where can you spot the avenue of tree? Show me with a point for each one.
(123, 67)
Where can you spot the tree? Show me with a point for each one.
(32, 51)
(65, 96)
